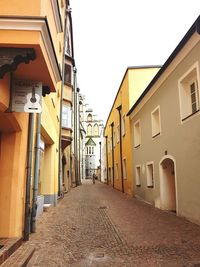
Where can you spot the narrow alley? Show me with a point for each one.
(94, 225)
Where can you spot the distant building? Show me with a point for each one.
(92, 141)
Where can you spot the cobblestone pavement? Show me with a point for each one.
(94, 225)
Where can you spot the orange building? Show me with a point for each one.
(31, 49)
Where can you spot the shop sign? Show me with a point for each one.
(26, 96)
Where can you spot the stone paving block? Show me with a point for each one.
(94, 225)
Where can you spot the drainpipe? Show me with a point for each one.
(75, 127)
(120, 141)
(28, 178)
(60, 173)
(107, 158)
(113, 162)
(36, 175)
(78, 137)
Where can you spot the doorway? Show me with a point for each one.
(168, 184)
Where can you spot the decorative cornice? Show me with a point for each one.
(11, 57)
(35, 24)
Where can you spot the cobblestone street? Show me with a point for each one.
(94, 225)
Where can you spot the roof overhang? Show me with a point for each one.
(21, 32)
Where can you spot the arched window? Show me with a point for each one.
(96, 129)
(89, 129)
(89, 117)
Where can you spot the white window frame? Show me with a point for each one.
(150, 175)
(138, 175)
(123, 125)
(184, 85)
(155, 129)
(137, 134)
(66, 116)
(125, 169)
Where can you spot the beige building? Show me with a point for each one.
(165, 125)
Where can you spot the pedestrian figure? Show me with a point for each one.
(93, 178)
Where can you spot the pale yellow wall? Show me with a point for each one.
(138, 81)
(67, 93)
(50, 132)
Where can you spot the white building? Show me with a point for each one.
(92, 141)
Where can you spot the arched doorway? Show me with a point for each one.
(168, 184)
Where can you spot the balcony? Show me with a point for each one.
(37, 25)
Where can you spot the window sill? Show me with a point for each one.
(155, 135)
(190, 115)
(137, 146)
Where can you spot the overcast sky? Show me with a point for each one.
(110, 35)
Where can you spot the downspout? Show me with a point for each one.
(107, 158)
(75, 128)
(28, 178)
(36, 175)
(113, 162)
(79, 131)
(78, 137)
(120, 142)
(60, 191)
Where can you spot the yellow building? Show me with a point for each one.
(67, 106)
(117, 130)
(31, 49)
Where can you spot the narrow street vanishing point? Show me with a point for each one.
(94, 225)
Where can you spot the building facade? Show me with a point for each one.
(92, 139)
(165, 132)
(31, 49)
(117, 130)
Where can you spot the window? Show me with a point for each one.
(189, 92)
(137, 134)
(117, 134)
(92, 150)
(89, 129)
(96, 129)
(66, 116)
(138, 175)
(155, 122)
(117, 171)
(123, 125)
(89, 117)
(150, 175)
(68, 74)
(124, 169)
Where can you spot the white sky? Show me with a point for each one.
(110, 35)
